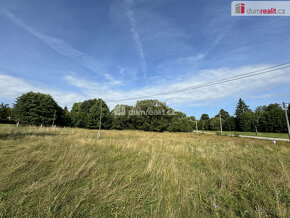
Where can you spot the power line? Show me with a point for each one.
(229, 79)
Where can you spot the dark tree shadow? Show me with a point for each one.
(17, 136)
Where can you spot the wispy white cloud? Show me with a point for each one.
(111, 80)
(244, 87)
(60, 46)
(216, 30)
(135, 35)
(12, 87)
(263, 96)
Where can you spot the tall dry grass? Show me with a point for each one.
(46, 172)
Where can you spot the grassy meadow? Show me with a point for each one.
(46, 172)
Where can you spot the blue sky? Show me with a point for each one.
(113, 49)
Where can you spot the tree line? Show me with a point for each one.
(148, 115)
(269, 118)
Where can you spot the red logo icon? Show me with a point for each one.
(240, 8)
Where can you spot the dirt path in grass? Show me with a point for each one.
(246, 136)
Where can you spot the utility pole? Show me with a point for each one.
(196, 126)
(286, 116)
(221, 123)
(99, 132)
(54, 118)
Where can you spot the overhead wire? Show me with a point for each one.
(220, 81)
